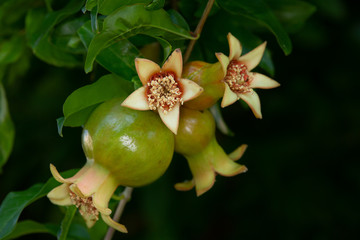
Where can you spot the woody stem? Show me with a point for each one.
(198, 29)
(119, 210)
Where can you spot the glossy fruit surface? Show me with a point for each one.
(135, 146)
(196, 129)
(210, 78)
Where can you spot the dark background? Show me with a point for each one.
(303, 179)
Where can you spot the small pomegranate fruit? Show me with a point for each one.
(123, 147)
(210, 78)
(196, 142)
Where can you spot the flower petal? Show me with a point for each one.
(191, 89)
(60, 195)
(227, 167)
(261, 81)
(171, 119)
(145, 69)
(57, 175)
(253, 58)
(237, 153)
(102, 196)
(203, 174)
(235, 47)
(253, 100)
(224, 61)
(61, 202)
(117, 226)
(185, 186)
(174, 63)
(229, 97)
(137, 100)
(90, 181)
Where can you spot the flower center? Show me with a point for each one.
(86, 206)
(237, 77)
(164, 91)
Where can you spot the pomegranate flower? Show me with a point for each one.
(239, 80)
(163, 89)
(89, 190)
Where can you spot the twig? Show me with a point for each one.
(119, 210)
(198, 29)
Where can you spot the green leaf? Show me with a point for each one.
(90, 4)
(132, 20)
(66, 38)
(79, 105)
(167, 48)
(292, 13)
(118, 58)
(259, 11)
(15, 202)
(155, 5)
(66, 222)
(11, 50)
(29, 227)
(12, 11)
(7, 129)
(38, 28)
(106, 7)
(178, 19)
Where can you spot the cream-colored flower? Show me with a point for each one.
(163, 89)
(239, 80)
(89, 190)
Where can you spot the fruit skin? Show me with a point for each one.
(135, 146)
(197, 143)
(196, 129)
(210, 78)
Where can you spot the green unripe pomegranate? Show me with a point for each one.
(197, 143)
(210, 78)
(196, 129)
(135, 146)
(123, 147)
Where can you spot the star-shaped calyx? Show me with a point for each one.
(239, 80)
(163, 89)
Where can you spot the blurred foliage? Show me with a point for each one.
(302, 157)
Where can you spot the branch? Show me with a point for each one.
(119, 210)
(198, 29)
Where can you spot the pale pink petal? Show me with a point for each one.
(229, 97)
(90, 181)
(261, 81)
(237, 153)
(117, 226)
(174, 63)
(171, 119)
(145, 69)
(137, 100)
(185, 186)
(253, 58)
(235, 47)
(224, 61)
(191, 89)
(253, 100)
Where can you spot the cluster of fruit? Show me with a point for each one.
(127, 145)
